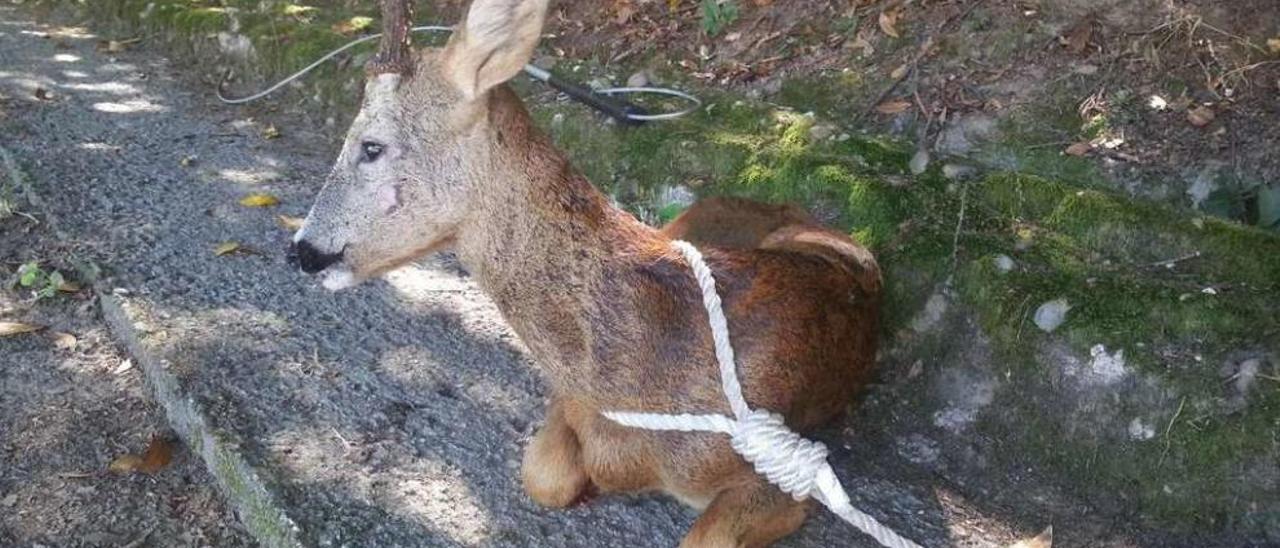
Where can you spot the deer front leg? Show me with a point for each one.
(749, 515)
(552, 469)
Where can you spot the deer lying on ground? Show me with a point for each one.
(443, 155)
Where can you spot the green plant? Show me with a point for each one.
(718, 14)
(43, 284)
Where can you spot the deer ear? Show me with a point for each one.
(494, 43)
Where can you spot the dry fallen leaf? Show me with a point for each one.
(116, 46)
(1078, 36)
(259, 200)
(1043, 540)
(900, 72)
(1273, 44)
(889, 21)
(352, 25)
(123, 368)
(1200, 116)
(623, 10)
(159, 454)
(289, 223)
(68, 287)
(17, 328)
(225, 248)
(1078, 149)
(125, 464)
(64, 341)
(270, 132)
(893, 107)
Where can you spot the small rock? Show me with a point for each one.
(1201, 116)
(918, 449)
(821, 132)
(546, 62)
(1004, 263)
(1140, 430)
(1246, 375)
(1051, 314)
(599, 83)
(957, 171)
(639, 79)
(919, 162)
(678, 195)
(962, 135)
(933, 312)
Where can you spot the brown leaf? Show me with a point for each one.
(69, 287)
(259, 199)
(112, 46)
(17, 328)
(1273, 44)
(352, 25)
(893, 107)
(1201, 116)
(226, 248)
(900, 72)
(289, 223)
(1078, 149)
(64, 341)
(889, 21)
(1043, 540)
(125, 464)
(622, 11)
(1078, 36)
(124, 367)
(158, 455)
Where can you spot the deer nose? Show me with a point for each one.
(310, 259)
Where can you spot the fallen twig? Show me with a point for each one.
(1167, 440)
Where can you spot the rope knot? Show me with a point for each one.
(779, 454)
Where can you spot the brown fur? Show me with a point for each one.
(614, 319)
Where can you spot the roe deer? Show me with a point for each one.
(443, 155)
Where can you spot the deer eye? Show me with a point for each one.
(370, 151)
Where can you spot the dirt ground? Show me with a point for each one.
(1163, 95)
(71, 404)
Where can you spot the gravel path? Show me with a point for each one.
(388, 415)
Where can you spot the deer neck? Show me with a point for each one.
(540, 237)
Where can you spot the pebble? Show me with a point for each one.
(1052, 314)
(639, 79)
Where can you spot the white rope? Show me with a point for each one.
(794, 464)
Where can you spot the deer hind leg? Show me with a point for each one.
(749, 515)
(552, 470)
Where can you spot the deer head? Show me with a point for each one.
(407, 172)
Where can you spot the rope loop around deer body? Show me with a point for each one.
(796, 465)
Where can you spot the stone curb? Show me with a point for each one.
(255, 504)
